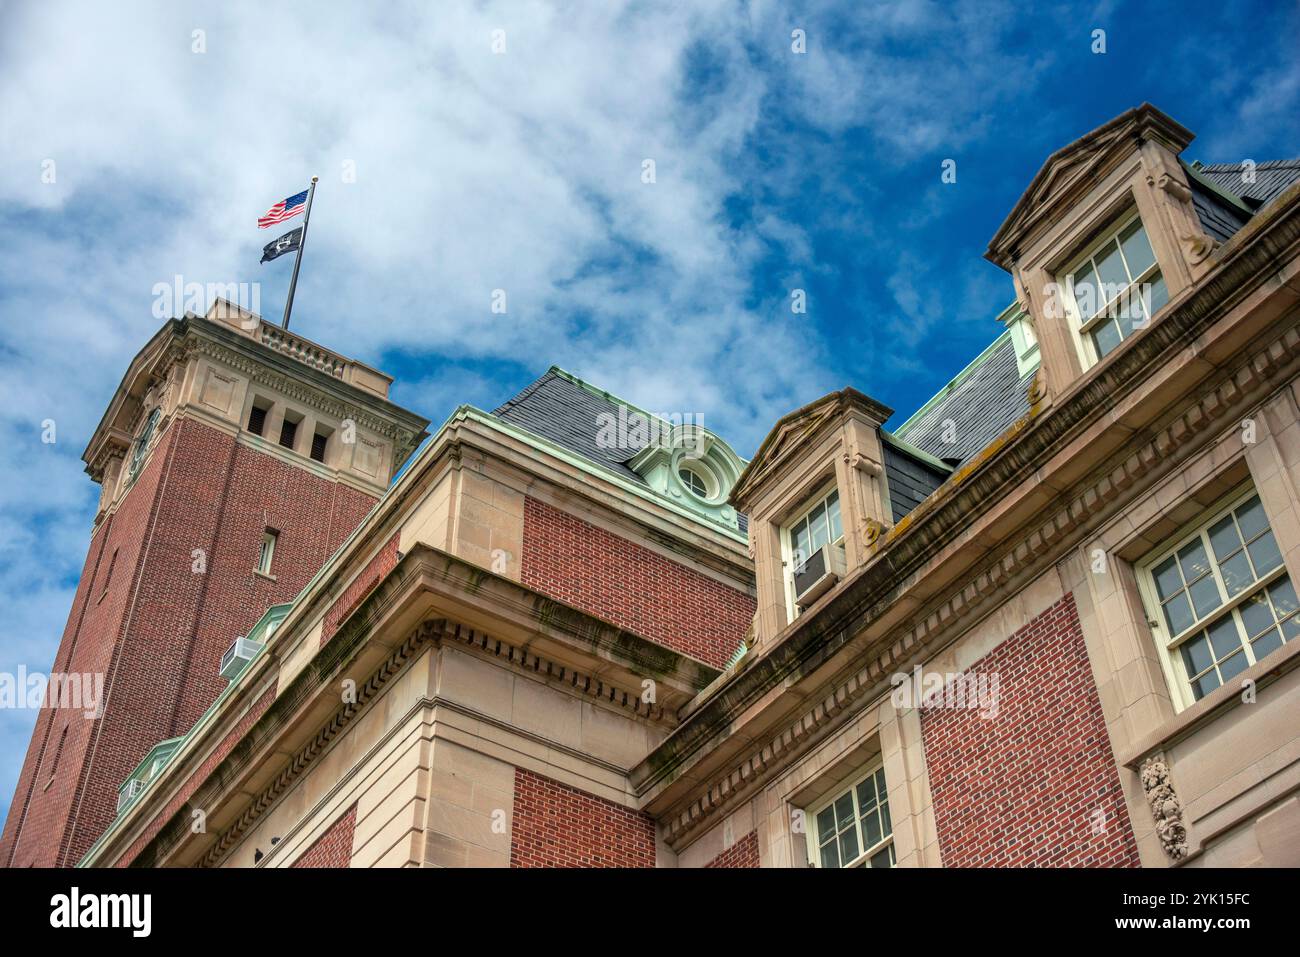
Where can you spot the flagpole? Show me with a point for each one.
(297, 260)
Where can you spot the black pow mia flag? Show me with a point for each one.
(285, 244)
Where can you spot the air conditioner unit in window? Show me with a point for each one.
(818, 574)
(237, 657)
(127, 792)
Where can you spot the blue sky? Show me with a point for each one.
(522, 171)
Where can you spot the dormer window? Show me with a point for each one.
(815, 549)
(1114, 290)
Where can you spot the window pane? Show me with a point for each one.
(1224, 538)
(1085, 293)
(826, 824)
(1224, 638)
(871, 829)
(1167, 578)
(1268, 642)
(1194, 561)
(817, 526)
(1256, 614)
(1264, 554)
(1110, 271)
(799, 544)
(1205, 596)
(1137, 251)
(867, 796)
(883, 858)
(1196, 655)
(1106, 336)
(833, 512)
(1178, 615)
(848, 845)
(1251, 517)
(1283, 594)
(830, 855)
(844, 810)
(1204, 685)
(1233, 666)
(885, 823)
(1236, 573)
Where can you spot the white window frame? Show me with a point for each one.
(787, 543)
(1081, 330)
(813, 837)
(266, 556)
(1169, 646)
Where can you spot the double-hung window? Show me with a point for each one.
(853, 828)
(1220, 598)
(1115, 289)
(819, 525)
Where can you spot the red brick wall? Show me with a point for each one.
(558, 826)
(631, 586)
(334, 847)
(1024, 788)
(159, 630)
(370, 576)
(744, 853)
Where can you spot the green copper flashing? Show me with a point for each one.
(1194, 171)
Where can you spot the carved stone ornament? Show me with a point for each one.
(1165, 806)
(1198, 247)
(874, 530)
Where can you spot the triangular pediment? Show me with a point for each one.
(1071, 168)
(796, 430)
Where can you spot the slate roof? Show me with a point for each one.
(559, 409)
(1218, 214)
(1271, 179)
(982, 403)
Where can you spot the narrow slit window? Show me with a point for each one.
(318, 442)
(267, 554)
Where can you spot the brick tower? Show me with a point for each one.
(235, 457)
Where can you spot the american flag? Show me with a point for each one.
(285, 209)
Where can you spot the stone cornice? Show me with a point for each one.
(1013, 462)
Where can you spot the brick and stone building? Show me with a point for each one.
(1046, 620)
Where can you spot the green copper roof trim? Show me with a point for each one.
(959, 378)
(905, 446)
